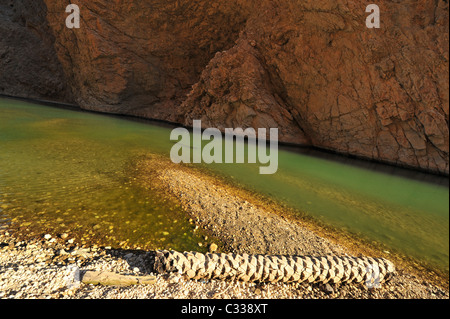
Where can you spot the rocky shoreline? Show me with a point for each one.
(45, 268)
(54, 266)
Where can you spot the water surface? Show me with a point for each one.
(70, 170)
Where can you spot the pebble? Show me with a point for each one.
(49, 280)
(212, 247)
(174, 279)
(47, 236)
(328, 289)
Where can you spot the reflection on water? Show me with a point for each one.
(71, 170)
(372, 165)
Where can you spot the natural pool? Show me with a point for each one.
(69, 171)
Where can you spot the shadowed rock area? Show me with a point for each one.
(28, 63)
(311, 68)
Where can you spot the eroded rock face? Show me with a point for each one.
(377, 93)
(28, 63)
(310, 68)
(141, 57)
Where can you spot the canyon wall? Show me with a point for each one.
(29, 66)
(311, 68)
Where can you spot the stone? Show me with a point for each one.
(63, 252)
(327, 289)
(174, 279)
(107, 278)
(212, 247)
(146, 280)
(82, 252)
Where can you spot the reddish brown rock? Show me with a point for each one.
(141, 57)
(236, 90)
(28, 63)
(311, 68)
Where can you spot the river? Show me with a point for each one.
(67, 170)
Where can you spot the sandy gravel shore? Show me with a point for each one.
(46, 269)
(52, 265)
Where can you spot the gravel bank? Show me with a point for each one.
(45, 267)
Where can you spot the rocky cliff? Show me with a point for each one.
(29, 66)
(311, 68)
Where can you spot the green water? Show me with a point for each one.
(71, 168)
(66, 171)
